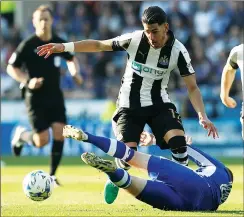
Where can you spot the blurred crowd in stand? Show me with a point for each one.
(208, 30)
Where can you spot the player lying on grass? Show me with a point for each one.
(171, 186)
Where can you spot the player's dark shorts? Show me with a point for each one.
(129, 123)
(43, 115)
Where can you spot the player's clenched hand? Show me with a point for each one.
(208, 125)
(35, 83)
(228, 102)
(48, 49)
(146, 139)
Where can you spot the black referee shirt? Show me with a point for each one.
(26, 58)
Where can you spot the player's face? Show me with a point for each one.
(156, 33)
(42, 21)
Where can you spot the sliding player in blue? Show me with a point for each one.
(171, 186)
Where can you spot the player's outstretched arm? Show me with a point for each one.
(78, 46)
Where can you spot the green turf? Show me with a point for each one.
(81, 194)
(37, 160)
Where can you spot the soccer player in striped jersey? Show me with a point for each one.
(143, 98)
(183, 189)
(235, 61)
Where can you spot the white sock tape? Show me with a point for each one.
(69, 47)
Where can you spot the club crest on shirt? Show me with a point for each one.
(164, 61)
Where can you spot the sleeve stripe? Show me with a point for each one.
(121, 45)
(199, 157)
(116, 46)
(183, 65)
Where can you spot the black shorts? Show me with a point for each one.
(128, 123)
(41, 117)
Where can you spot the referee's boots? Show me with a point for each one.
(56, 182)
(17, 143)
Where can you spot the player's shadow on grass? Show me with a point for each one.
(227, 212)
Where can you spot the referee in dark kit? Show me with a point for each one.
(43, 97)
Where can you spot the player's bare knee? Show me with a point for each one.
(140, 160)
(137, 185)
(57, 129)
(41, 139)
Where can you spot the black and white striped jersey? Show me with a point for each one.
(147, 72)
(236, 60)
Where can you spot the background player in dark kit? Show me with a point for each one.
(43, 96)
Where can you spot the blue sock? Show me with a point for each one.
(112, 147)
(120, 178)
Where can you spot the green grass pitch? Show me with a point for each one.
(82, 192)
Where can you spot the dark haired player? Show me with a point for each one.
(143, 98)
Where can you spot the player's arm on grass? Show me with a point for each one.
(148, 139)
